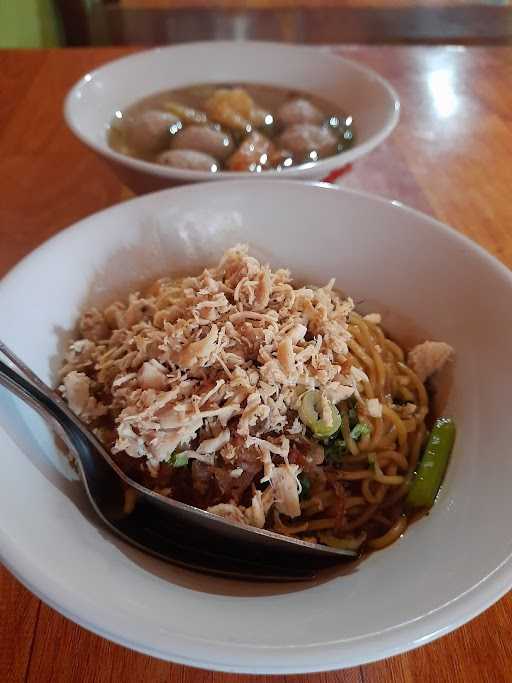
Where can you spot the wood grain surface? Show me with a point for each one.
(243, 4)
(451, 157)
(318, 22)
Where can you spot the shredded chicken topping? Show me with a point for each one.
(213, 367)
(195, 385)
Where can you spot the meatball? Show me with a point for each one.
(254, 151)
(262, 118)
(428, 358)
(148, 132)
(299, 111)
(303, 139)
(204, 139)
(188, 159)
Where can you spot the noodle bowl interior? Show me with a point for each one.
(268, 404)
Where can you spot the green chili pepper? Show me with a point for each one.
(433, 463)
(309, 414)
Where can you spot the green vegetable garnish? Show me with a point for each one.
(177, 460)
(309, 409)
(306, 486)
(352, 417)
(361, 429)
(335, 451)
(342, 543)
(433, 463)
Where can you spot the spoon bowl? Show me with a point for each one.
(169, 529)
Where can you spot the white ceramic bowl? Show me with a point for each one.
(357, 90)
(445, 570)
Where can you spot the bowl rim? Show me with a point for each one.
(170, 173)
(364, 649)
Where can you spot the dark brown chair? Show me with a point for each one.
(104, 22)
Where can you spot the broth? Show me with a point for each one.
(235, 127)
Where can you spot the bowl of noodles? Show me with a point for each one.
(265, 403)
(295, 358)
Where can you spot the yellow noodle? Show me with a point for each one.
(394, 348)
(319, 524)
(388, 479)
(368, 391)
(324, 498)
(345, 428)
(377, 332)
(361, 519)
(398, 492)
(359, 352)
(406, 394)
(420, 387)
(377, 373)
(398, 424)
(353, 501)
(313, 525)
(364, 332)
(390, 536)
(367, 362)
(410, 425)
(360, 458)
(369, 495)
(383, 457)
(355, 475)
(376, 437)
(291, 529)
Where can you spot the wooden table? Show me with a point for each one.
(451, 156)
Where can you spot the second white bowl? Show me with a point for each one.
(357, 90)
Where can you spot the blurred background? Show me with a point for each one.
(47, 23)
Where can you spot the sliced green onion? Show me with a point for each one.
(434, 461)
(177, 460)
(309, 408)
(361, 429)
(306, 486)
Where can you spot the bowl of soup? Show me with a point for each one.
(212, 111)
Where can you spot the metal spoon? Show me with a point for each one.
(164, 527)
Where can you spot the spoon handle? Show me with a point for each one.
(29, 387)
(99, 476)
(16, 360)
(31, 394)
(36, 382)
(79, 439)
